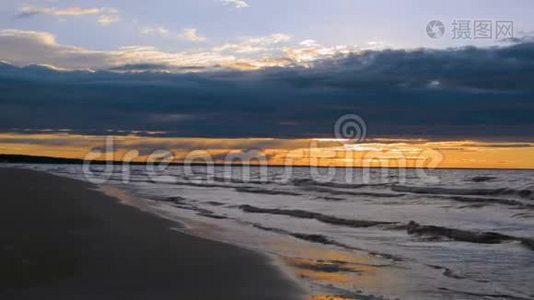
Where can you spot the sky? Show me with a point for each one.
(283, 70)
(220, 31)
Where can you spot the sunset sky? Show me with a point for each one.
(231, 76)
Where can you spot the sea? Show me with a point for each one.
(350, 233)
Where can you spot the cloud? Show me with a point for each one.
(346, 65)
(484, 93)
(144, 67)
(236, 3)
(498, 145)
(140, 67)
(191, 34)
(106, 20)
(159, 30)
(255, 44)
(31, 47)
(28, 11)
(106, 15)
(310, 51)
(152, 55)
(309, 43)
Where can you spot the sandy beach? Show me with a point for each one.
(61, 239)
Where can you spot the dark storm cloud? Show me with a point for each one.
(140, 67)
(468, 92)
(156, 67)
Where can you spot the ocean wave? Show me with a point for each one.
(482, 201)
(311, 182)
(321, 239)
(523, 215)
(486, 295)
(482, 178)
(522, 193)
(448, 272)
(478, 237)
(303, 214)
(352, 193)
(238, 188)
(183, 203)
(254, 190)
(240, 181)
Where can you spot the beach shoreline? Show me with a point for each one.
(204, 230)
(64, 240)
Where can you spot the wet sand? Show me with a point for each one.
(62, 240)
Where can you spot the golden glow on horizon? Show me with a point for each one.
(322, 152)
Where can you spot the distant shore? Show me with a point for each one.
(63, 240)
(32, 159)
